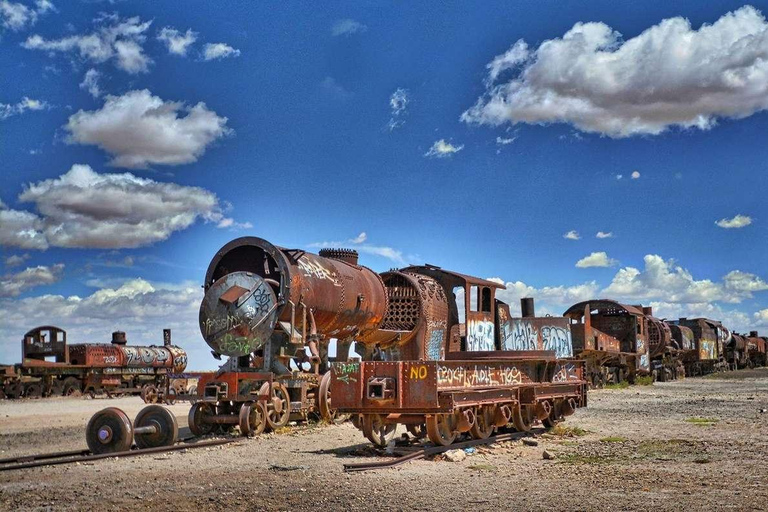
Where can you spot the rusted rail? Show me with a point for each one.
(434, 450)
(70, 457)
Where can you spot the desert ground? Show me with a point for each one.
(695, 444)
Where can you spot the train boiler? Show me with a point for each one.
(446, 371)
(273, 311)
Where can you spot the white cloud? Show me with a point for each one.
(596, 259)
(16, 16)
(219, 51)
(86, 209)
(664, 280)
(140, 129)
(619, 176)
(120, 40)
(16, 260)
(761, 318)
(360, 246)
(603, 234)
(228, 222)
(347, 27)
(504, 141)
(669, 75)
(398, 104)
(733, 319)
(139, 307)
(12, 285)
(90, 83)
(8, 109)
(739, 221)
(572, 235)
(635, 175)
(362, 237)
(551, 300)
(443, 149)
(176, 42)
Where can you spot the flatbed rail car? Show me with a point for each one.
(52, 367)
(479, 393)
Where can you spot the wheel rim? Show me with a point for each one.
(34, 391)
(277, 419)
(109, 431)
(149, 394)
(170, 398)
(163, 420)
(483, 426)
(441, 429)
(521, 418)
(327, 412)
(554, 417)
(417, 431)
(253, 418)
(377, 431)
(195, 419)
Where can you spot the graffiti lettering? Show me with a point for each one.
(479, 335)
(557, 339)
(520, 336)
(478, 375)
(565, 372)
(418, 372)
(435, 345)
(346, 372)
(313, 269)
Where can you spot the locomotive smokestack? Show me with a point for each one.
(118, 338)
(648, 310)
(526, 306)
(753, 334)
(166, 337)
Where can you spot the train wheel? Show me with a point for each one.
(149, 394)
(195, 419)
(327, 412)
(483, 426)
(72, 387)
(253, 418)
(417, 431)
(34, 390)
(357, 421)
(170, 397)
(441, 428)
(279, 406)
(109, 431)
(554, 417)
(192, 391)
(164, 421)
(521, 418)
(57, 387)
(14, 390)
(377, 431)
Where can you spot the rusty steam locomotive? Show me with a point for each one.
(52, 367)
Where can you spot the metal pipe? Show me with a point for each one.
(526, 307)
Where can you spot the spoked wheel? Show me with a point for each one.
(170, 397)
(554, 417)
(34, 390)
(14, 390)
(197, 413)
(57, 387)
(441, 428)
(521, 418)
(278, 405)
(72, 387)
(483, 426)
(166, 428)
(417, 431)
(109, 431)
(377, 431)
(149, 394)
(253, 418)
(327, 412)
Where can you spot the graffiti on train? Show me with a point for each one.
(557, 339)
(479, 335)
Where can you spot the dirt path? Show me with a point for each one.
(696, 444)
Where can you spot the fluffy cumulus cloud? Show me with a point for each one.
(17, 16)
(669, 75)
(551, 300)
(176, 42)
(739, 221)
(443, 149)
(347, 27)
(572, 235)
(664, 280)
(359, 243)
(219, 51)
(15, 260)
(12, 285)
(90, 83)
(398, 105)
(140, 130)
(635, 175)
(14, 109)
(83, 208)
(140, 308)
(596, 259)
(603, 234)
(119, 40)
(761, 318)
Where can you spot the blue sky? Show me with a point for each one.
(139, 137)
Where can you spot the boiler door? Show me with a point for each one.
(238, 314)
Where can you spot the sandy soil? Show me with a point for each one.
(695, 444)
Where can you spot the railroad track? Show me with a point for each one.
(425, 451)
(73, 456)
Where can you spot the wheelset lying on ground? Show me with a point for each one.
(111, 431)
